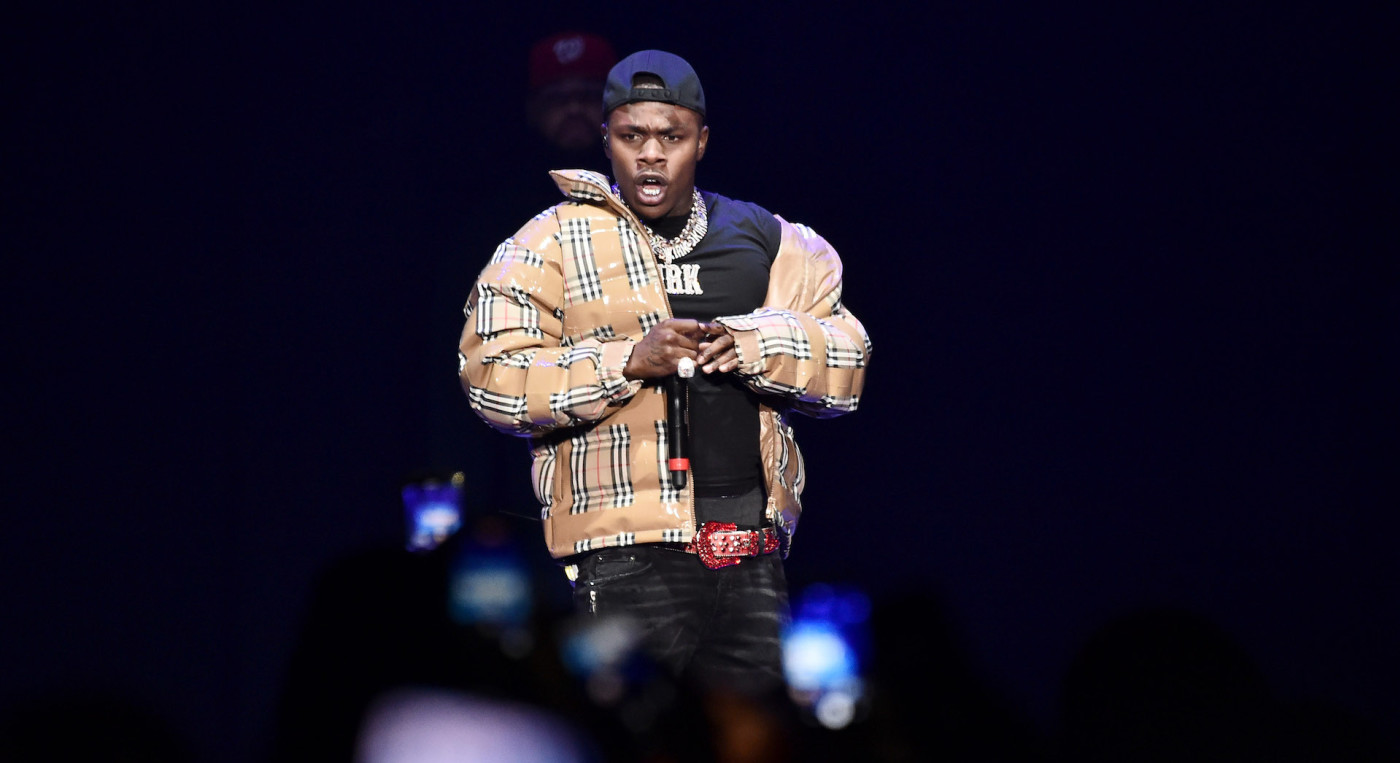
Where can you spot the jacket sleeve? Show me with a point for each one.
(519, 374)
(803, 345)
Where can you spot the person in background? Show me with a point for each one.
(566, 86)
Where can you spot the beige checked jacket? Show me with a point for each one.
(551, 324)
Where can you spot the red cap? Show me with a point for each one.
(570, 54)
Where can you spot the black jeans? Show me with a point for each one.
(718, 628)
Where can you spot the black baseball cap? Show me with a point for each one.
(680, 83)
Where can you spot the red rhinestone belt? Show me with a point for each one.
(721, 544)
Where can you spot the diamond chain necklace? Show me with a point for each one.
(686, 240)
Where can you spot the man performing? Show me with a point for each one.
(585, 318)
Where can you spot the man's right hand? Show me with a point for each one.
(664, 346)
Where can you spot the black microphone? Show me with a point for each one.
(676, 459)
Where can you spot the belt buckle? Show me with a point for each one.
(722, 544)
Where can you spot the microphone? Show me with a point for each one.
(676, 459)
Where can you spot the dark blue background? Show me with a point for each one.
(1129, 275)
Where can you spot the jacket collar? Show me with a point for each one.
(588, 186)
(591, 187)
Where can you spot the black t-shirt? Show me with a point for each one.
(729, 270)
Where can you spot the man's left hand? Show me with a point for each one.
(717, 351)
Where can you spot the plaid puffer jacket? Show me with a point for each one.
(550, 327)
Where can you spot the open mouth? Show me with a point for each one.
(650, 188)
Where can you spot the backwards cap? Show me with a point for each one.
(680, 83)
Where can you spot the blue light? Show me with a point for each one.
(824, 650)
(432, 512)
(816, 657)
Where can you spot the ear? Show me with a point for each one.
(607, 146)
(704, 140)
